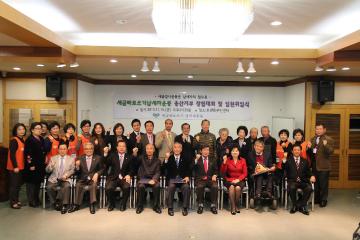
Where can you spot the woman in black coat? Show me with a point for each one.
(118, 131)
(34, 172)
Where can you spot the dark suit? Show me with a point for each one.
(145, 141)
(188, 150)
(271, 143)
(175, 171)
(85, 178)
(148, 169)
(132, 141)
(203, 179)
(244, 148)
(298, 177)
(112, 139)
(115, 173)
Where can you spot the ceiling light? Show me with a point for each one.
(74, 65)
(251, 68)
(113, 60)
(247, 77)
(156, 66)
(240, 68)
(201, 19)
(61, 65)
(331, 69)
(190, 76)
(133, 76)
(40, 65)
(275, 23)
(145, 66)
(16, 68)
(121, 21)
(345, 68)
(275, 62)
(319, 69)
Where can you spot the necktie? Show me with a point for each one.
(317, 140)
(88, 162)
(206, 165)
(150, 139)
(177, 161)
(61, 170)
(121, 160)
(297, 163)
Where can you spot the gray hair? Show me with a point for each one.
(223, 130)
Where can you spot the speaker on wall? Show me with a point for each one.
(54, 87)
(326, 91)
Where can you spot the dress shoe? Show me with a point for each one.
(185, 212)
(74, 208)
(303, 210)
(15, 206)
(233, 212)
(213, 210)
(200, 210)
(122, 207)
(57, 206)
(110, 208)
(171, 212)
(92, 208)
(64, 209)
(293, 210)
(157, 209)
(139, 210)
(323, 203)
(237, 210)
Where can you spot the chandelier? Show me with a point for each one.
(225, 19)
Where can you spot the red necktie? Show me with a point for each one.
(206, 165)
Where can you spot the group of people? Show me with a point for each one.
(147, 156)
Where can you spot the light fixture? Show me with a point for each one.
(190, 76)
(202, 19)
(275, 23)
(247, 77)
(275, 62)
(156, 66)
(331, 69)
(61, 65)
(17, 68)
(318, 69)
(144, 66)
(345, 68)
(240, 68)
(113, 60)
(40, 65)
(133, 76)
(251, 68)
(74, 65)
(121, 21)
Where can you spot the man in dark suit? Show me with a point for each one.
(261, 155)
(120, 166)
(187, 141)
(148, 137)
(135, 136)
(269, 141)
(297, 172)
(89, 168)
(148, 176)
(206, 172)
(178, 170)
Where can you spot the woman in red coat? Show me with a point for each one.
(234, 170)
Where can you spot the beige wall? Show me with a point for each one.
(345, 93)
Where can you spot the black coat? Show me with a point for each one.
(34, 155)
(244, 149)
(112, 140)
(113, 166)
(188, 150)
(251, 160)
(291, 173)
(184, 169)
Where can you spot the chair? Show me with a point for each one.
(299, 191)
(245, 191)
(207, 190)
(44, 191)
(149, 189)
(178, 190)
(118, 189)
(99, 187)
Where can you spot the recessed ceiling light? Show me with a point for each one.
(121, 21)
(275, 23)
(113, 60)
(133, 76)
(345, 68)
(275, 62)
(16, 68)
(61, 65)
(40, 65)
(319, 69)
(190, 76)
(331, 69)
(247, 77)
(74, 65)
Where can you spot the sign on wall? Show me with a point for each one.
(163, 102)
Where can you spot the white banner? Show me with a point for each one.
(159, 102)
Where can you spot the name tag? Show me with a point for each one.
(314, 150)
(120, 177)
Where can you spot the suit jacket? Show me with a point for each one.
(148, 168)
(164, 145)
(251, 160)
(188, 149)
(292, 173)
(132, 141)
(112, 139)
(54, 167)
(172, 170)
(321, 160)
(34, 156)
(95, 167)
(145, 141)
(200, 170)
(245, 148)
(113, 166)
